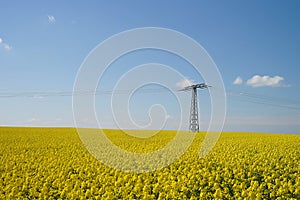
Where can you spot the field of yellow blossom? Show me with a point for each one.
(52, 163)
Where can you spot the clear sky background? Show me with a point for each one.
(255, 44)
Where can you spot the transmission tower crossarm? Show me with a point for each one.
(191, 87)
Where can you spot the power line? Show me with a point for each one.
(265, 100)
(242, 96)
(76, 93)
(272, 104)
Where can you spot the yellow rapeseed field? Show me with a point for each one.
(52, 163)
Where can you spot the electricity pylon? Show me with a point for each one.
(194, 121)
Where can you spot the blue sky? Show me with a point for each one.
(43, 44)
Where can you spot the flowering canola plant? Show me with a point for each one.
(52, 163)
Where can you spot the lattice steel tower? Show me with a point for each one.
(194, 121)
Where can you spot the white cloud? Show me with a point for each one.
(1, 40)
(184, 83)
(238, 81)
(51, 19)
(265, 81)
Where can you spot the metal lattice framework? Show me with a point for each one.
(194, 117)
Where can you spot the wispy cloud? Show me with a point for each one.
(238, 81)
(265, 81)
(38, 97)
(168, 116)
(184, 83)
(51, 19)
(262, 120)
(33, 119)
(6, 46)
